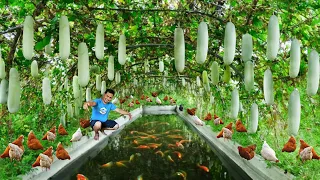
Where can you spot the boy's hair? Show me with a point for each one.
(109, 91)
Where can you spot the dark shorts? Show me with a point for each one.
(107, 124)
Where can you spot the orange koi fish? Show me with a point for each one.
(120, 164)
(140, 177)
(143, 147)
(135, 142)
(175, 136)
(160, 152)
(203, 168)
(133, 155)
(170, 159)
(179, 145)
(107, 165)
(171, 146)
(178, 154)
(182, 174)
(81, 177)
(184, 141)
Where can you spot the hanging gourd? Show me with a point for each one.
(122, 49)
(249, 76)
(161, 66)
(111, 68)
(118, 77)
(313, 73)
(83, 65)
(98, 82)
(75, 87)
(76, 109)
(253, 120)
(99, 46)
(63, 119)
(268, 87)
(88, 94)
(48, 49)
(227, 74)
(294, 113)
(66, 83)
(294, 58)
(69, 110)
(246, 47)
(3, 91)
(46, 91)
(103, 87)
(183, 82)
(229, 43)
(28, 38)
(215, 73)
(14, 91)
(273, 38)
(198, 81)
(146, 66)
(205, 80)
(2, 69)
(202, 43)
(234, 104)
(135, 82)
(34, 69)
(179, 49)
(64, 38)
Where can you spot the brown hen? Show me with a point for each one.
(154, 94)
(33, 143)
(240, 127)
(247, 152)
(53, 130)
(192, 111)
(137, 101)
(290, 146)
(304, 145)
(229, 126)
(165, 98)
(142, 97)
(17, 142)
(61, 130)
(84, 123)
(47, 152)
(208, 117)
(61, 153)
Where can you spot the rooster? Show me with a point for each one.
(217, 120)
(17, 142)
(247, 152)
(154, 94)
(15, 152)
(208, 117)
(240, 127)
(61, 153)
(165, 98)
(84, 123)
(61, 130)
(45, 161)
(76, 136)
(229, 126)
(303, 145)
(192, 111)
(33, 142)
(268, 153)
(137, 101)
(47, 152)
(52, 132)
(290, 146)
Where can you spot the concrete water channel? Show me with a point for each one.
(227, 152)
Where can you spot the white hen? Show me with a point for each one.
(306, 154)
(45, 161)
(158, 100)
(197, 121)
(51, 136)
(15, 152)
(268, 153)
(76, 136)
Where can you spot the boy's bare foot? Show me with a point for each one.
(96, 136)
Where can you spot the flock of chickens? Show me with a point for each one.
(306, 152)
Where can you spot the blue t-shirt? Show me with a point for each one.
(101, 111)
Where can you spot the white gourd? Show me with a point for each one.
(183, 82)
(3, 91)
(122, 49)
(229, 43)
(88, 94)
(161, 66)
(268, 87)
(34, 69)
(83, 65)
(2, 69)
(75, 87)
(103, 87)
(69, 110)
(46, 91)
(48, 49)
(164, 82)
(28, 38)
(179, 50)
(111, 68)
(234, 103)
(14, 91)
(135, 82)
(273, 39)
(253, 120)
(246, 47)
(202, 43)
(66, 84)
(249, 76)
(64, 38)
(211, 99)
(99, 46)
(205, 80)
(227, 74)
(118, 77)
(76, 109)
(198, 81)
(215, 73)
(294, 58)
(313, 73)
(294, 113)
(63, 119)
(98, 82)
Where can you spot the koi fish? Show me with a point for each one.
(203, 167)
(133, 155)
(135, 142)
(179, 145)
(170, 159)
(178, 154)
(171, 146)
(183, 175)
(160, 152)
(143, 147)
(107, 165)
(184, 141)
(140, 177)
(175, 136)
(120, 164)
(81, 177)
(164, 123)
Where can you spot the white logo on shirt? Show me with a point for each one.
(103, 110)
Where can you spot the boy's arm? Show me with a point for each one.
(89, 103)
(121, 111)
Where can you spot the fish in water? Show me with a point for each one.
(178, 154)
(142, 147)
(170, 158)
(107, 165)
(134, 155)
(181, 107)
(182, 174)
(81, 177)
(205, 168)
(140, 177)
(120, 164)
(160, 152)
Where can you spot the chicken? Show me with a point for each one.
(45, 161)
(229, 126)
(122, 101)
(192, 111)
(131, 97)
(148, 99)
(131, 104)
(197, 121)
(158, 101)
(52, 130)
(84, 123)
(115, 101)
(227, 133)
(165, 98)
(208, 117)
(33, 142)
(142, 97)
(154, 94)
(137, 101)
(306, 153)
(17, 142)
(47, 152)
(290, 146)
(172, 101)
(268, 153)
(303, 145)
(61, 130)
(240, 127)
(15, 152)
(51, 136)
(61, 153)
(217, 120)
(247, 152)
(76, 136)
